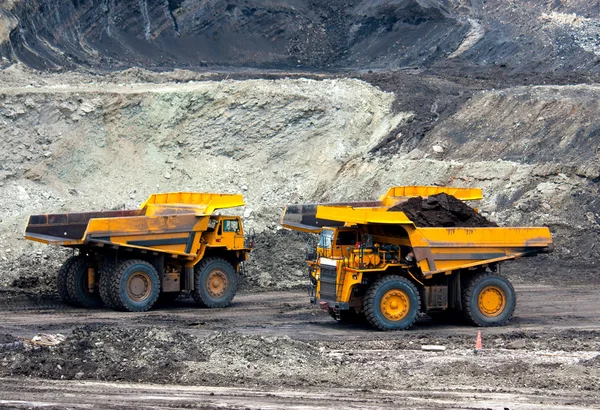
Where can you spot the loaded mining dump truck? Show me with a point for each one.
(127, 259)
(417, 249)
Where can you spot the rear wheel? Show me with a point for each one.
(77, 285)
(392, 303)
(61, 279)
(215, 283)
(135, 285)
(489, 300)
(106, 279)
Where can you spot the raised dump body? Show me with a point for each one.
(373, 261)
(128, 258)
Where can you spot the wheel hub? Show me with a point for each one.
(138, 286)
(216, 283)
(395, 305)
(491, 301)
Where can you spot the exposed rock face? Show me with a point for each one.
(275, 34)
(109, 145)
(86, 147)
(520, 36)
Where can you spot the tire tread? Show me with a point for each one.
(468, 294)
(369, 301)
(198, 296)
(62, 286)
(118, 270)
(74, 271)
(106, 279)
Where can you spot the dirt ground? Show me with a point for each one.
(274, 350)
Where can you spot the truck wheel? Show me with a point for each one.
(215, 283)
(392, 303)
(488, 300)
(135, 285)
(107, 272)
(61, 279)
(77, 285)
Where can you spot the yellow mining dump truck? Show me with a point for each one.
(373, 262)
(127, 259)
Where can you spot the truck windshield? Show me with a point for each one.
(325, 239)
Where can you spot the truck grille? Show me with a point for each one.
(328, 284)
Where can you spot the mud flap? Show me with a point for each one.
(189, 277)
(454, 292)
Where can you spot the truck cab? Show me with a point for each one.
(335, 242)
(225, 231)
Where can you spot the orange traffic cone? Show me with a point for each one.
(478, 342)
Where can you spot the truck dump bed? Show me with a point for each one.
(435, 249)
(304, 217)
(165, 222)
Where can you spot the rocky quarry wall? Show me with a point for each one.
(518, 35)
(102, 146)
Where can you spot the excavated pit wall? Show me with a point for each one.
(109, 146)
(105, 146)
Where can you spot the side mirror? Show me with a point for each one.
(250, 240)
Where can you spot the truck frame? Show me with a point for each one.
(374, 263)
(128, 259)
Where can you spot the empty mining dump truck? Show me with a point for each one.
(372, 261)
(127, 259)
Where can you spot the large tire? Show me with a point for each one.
(488, 300)
(135, 285)
(77, 285)
(61, 279)
(107, 272)
(392, 303)
(215, 283)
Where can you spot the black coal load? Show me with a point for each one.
(441, 210)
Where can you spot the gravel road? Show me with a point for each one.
(273, 350)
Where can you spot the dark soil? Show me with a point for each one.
(106, 353)
(7, 338)
(26, 282)
(441, 210)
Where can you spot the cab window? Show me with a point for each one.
(231, 225)
(346, 238)
(325, 239)
(212, 224)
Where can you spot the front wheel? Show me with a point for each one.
(215, 283)
(392, 303)
(489, 300)
(135, 285)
